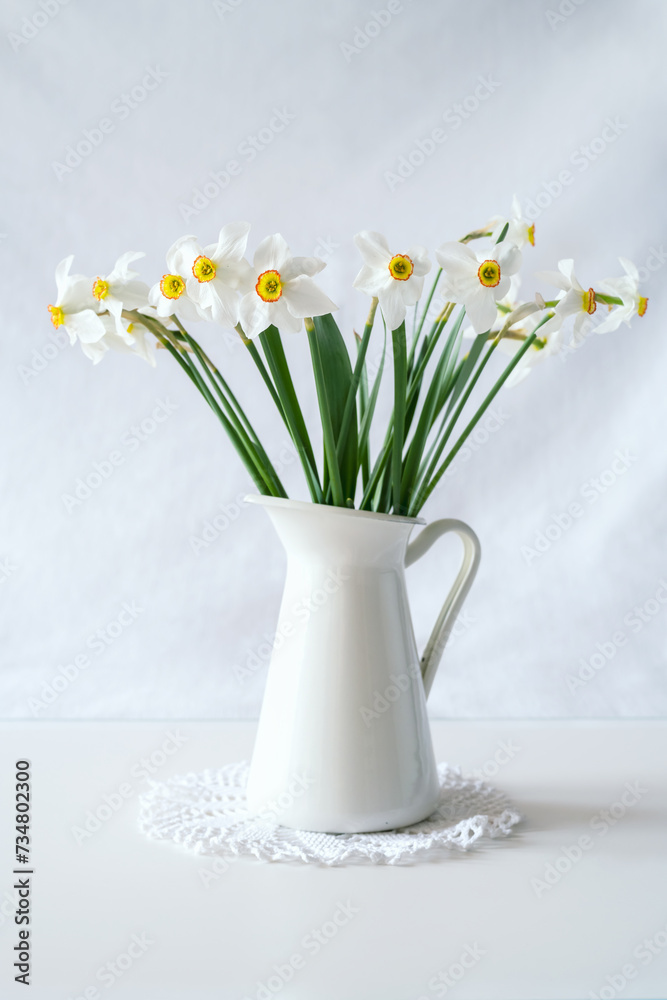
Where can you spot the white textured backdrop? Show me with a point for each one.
(338, 96)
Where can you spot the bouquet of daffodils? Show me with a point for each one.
(436, 368)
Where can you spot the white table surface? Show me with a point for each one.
(222, 939)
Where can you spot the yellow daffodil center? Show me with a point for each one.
(589, 303)
(100, 289)
(203, 269)
(401, 267)
(269, 287)
(531, 235)
(489, 273)
(57, 316)
(172, 286)
(642, 306)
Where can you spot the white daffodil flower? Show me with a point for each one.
(575, 300)
(120, 289)
(134, 338)
(478, 278)
(215, 274)
(626, 289)
(396, 280)
(283, 292)
(75, 307)
(520, 231)
(170, 294)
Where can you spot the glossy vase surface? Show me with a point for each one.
(344, 743)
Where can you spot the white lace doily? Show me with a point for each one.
(207, 813)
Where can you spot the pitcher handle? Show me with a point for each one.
(471, 555)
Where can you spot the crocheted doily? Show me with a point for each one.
(207, 813)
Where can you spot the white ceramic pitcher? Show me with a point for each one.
(344, 743)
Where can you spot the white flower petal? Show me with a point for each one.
(121, 270)
(232, 242)
(62, 275)
(310, 266)
(304, 298)
(283, 318)
(373, 247)
(272, 254)
(86, 326)
(509, 258)
(224, 303)
(393, 305)
(554, 278)
(411, 289)
(456, 258)
(629, 268)
(132, 294)
(481, 309)
(420, 261)
(253, 314)
(178, 251)
(372, 280)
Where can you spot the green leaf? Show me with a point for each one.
(339, 387)
(430, 410)
(277, 362)
(365, 429)
(328, 433)
(400, 391)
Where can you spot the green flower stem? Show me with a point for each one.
(165, 337)
(400, 387)
(261, 367)
(474, 421)
(430, 342)
(418, 331)
(330, 454)
(609, 300)
(236, 416)
(362, 348)
(275, 356)
(450, 426)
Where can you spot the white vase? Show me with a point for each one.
(344, 743)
